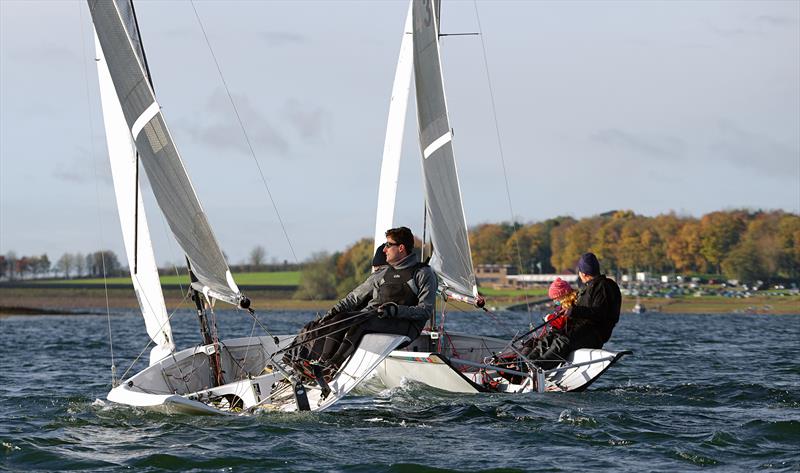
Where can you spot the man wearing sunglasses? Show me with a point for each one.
(398, 298)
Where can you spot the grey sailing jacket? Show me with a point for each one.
(365, 296)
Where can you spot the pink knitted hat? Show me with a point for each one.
(559, 289)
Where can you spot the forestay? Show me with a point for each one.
(451, 257)
(171, 185)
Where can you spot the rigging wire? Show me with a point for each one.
(92, 157)
(500, 148)
(169, 318)
(246, 136)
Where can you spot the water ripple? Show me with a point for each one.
(685, 401)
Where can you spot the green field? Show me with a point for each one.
(278, 278)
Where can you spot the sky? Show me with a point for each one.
(689, 107)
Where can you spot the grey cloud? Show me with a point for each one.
(755, 27)
(52, 55)
(222, 130)
(660, 147)
(761, 153)
(68, 174)
(777, 21)
(736, 32)
(281, 38)
(310, 122)
(84, 168)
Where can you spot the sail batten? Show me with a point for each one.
(165, 171)
(451, 257)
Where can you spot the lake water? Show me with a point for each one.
(718, 392)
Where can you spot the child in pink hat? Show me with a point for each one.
(563, 296)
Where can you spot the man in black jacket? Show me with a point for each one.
(589, 322)
(597, 310)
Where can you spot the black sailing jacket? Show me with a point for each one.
(595, 313)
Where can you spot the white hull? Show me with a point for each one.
(182, 383)
(463, 366)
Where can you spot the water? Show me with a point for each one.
(705, 392)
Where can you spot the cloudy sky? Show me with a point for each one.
(650, 106)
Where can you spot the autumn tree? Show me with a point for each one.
(606, 242)
(666, 228)
(719, 233)
(318, 278)
(579, 239)
(529, 247)
(743, 263)
(558, 243)
(684, 249)
(354, 265)
(488, 243)
(788, 238)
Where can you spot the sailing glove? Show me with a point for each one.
(387, 310)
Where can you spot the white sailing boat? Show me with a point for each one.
(445, 360)
(217, 376)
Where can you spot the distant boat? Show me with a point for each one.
(639, 308)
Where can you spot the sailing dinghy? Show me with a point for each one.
(218, 376)
(453, 361)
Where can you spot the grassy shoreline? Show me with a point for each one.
(22, 301)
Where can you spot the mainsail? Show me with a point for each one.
(451, 257)
(165, 171)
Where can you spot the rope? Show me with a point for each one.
(93, 154)
(263, 327)
(246, 137)
(245, 373)
(500, 148)
(497, 320)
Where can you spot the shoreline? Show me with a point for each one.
(75, 301)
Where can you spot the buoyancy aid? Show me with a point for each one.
(398, 286)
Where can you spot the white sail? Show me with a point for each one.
(135, 233)
(393, 144)
(451, 257)
(165, 171)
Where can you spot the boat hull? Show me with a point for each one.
(461, 366)
(182, 383)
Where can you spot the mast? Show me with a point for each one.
(208, 334)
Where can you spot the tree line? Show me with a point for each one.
(69, 265)
(736, 244)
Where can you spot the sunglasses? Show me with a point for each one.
(390, 244)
